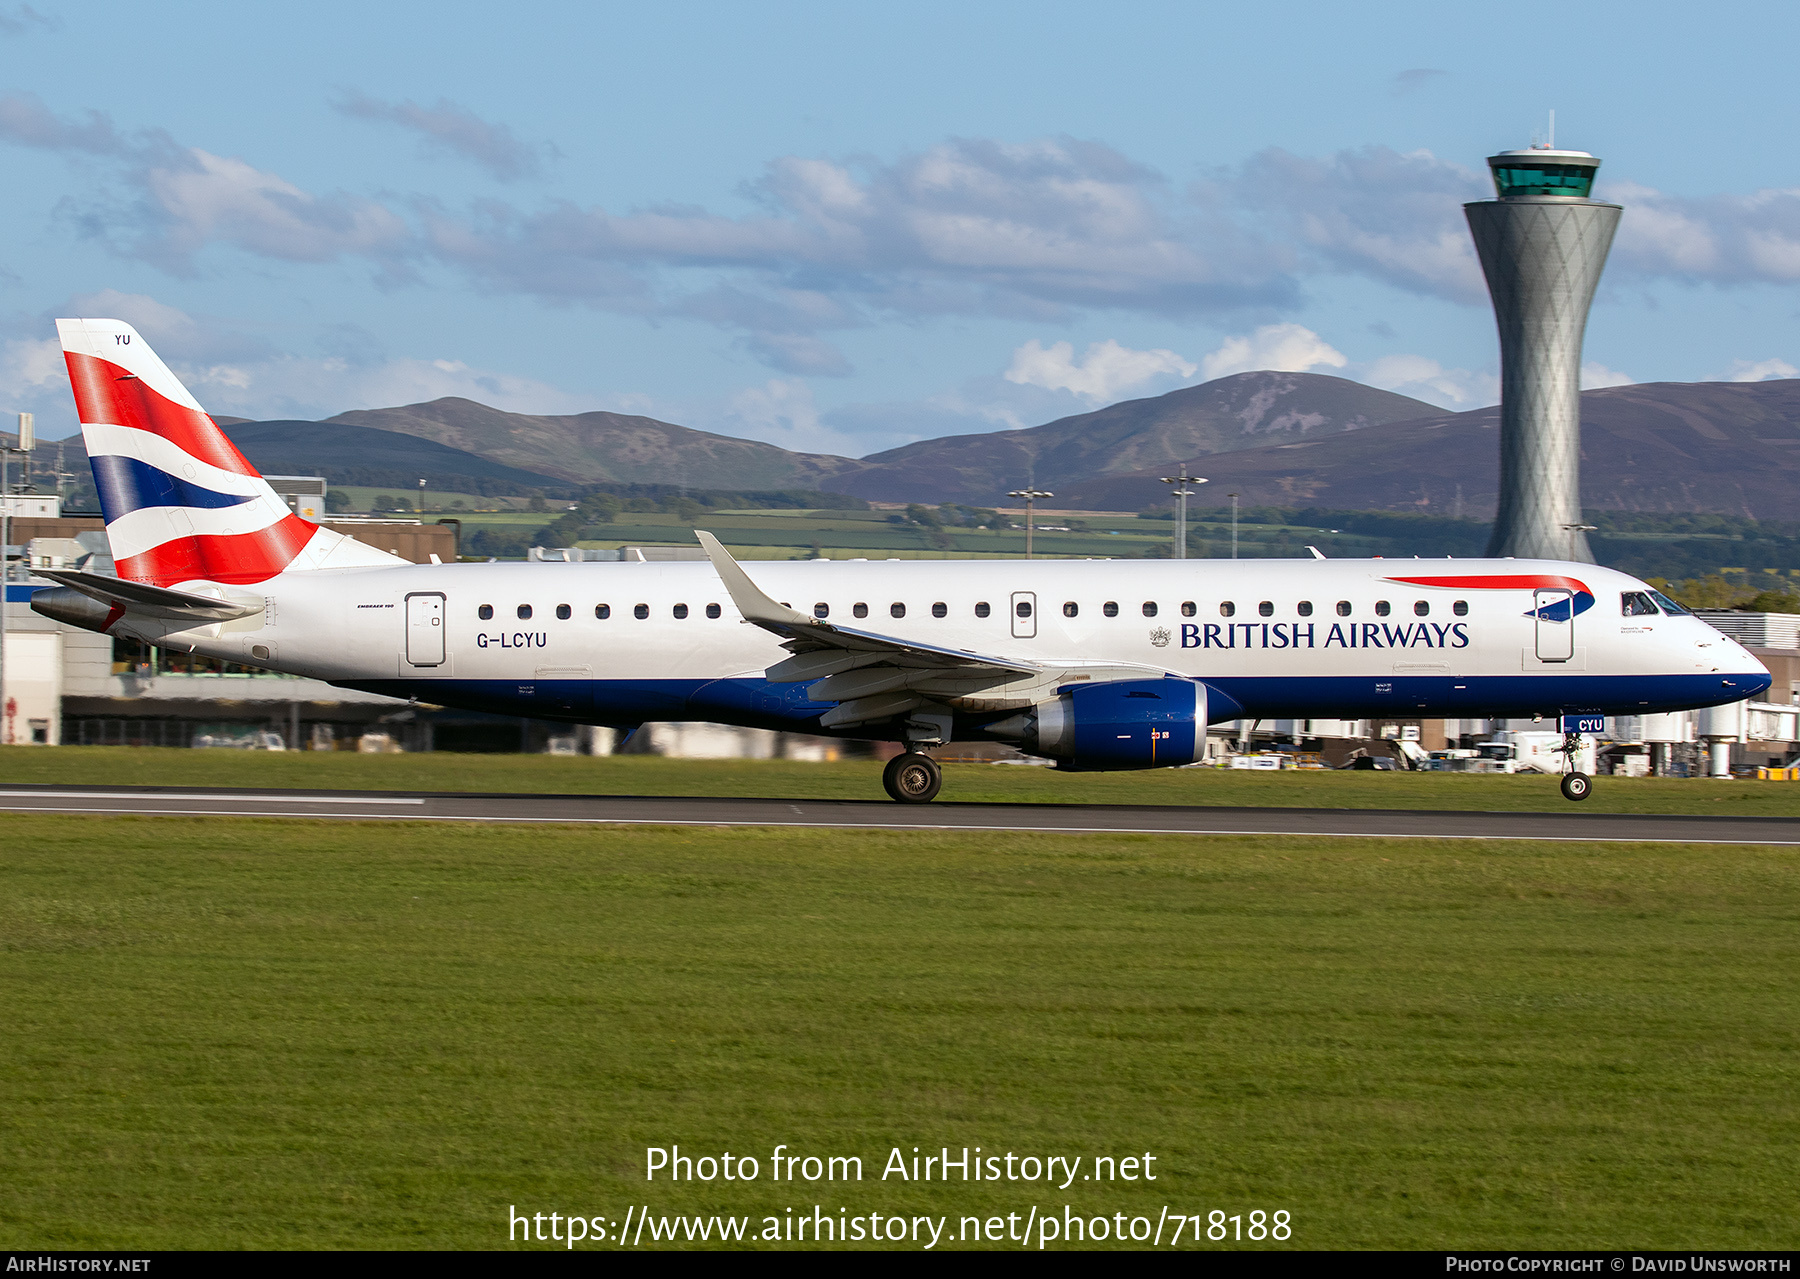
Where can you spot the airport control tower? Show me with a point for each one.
(1543, 244)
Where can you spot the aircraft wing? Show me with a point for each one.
(875, 677)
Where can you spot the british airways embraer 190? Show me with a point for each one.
(1093, 664)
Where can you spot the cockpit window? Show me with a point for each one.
(1669, 606)
(1636, 604)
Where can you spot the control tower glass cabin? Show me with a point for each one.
(1543, 244)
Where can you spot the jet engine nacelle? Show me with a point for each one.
(1147, 723)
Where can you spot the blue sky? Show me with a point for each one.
(842, 227)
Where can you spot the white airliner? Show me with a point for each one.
(1104, 664)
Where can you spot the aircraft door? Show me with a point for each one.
(1555, 613)
(425, 629)
(1024, 614)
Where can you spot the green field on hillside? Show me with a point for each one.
(258, 1033)
(861, 779)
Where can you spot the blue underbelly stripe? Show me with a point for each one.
(758, 703)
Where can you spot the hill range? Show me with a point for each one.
(1726, 447)
(1287, 439)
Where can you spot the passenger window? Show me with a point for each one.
(564, 612)
(1343, 608)
(1636, 604)
(1110, 608)
(859, 610)
(1460, 608)
(1266, 608)
(1071, 609)
(524, 612)
(1421, 608)
(1304, 608)
(982, 609)
(821, 610)
(712, 610)
(641, 612)
(1023, 608)
(603, 611)
(681, 612)
(1189, 608)
(1228, 609)
(1383, 608)
(896, 610)
(940, 609)
(1149, 608)
(485, 612)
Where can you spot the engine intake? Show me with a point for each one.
(1150, 723)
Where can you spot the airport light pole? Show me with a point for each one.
(421, 497)
(1031, 495)
(1181, 494)
(26, 443)
(1233, 497)
(1576, 530)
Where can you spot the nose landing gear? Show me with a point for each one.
(912, 778)
(1576, 786)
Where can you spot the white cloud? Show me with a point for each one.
(1760, 371)
(1720, 239)
(1417, 78)
(1373, 211)
(798, 353)
(1425, 379)
(207, 198)
(1282, 348)
(456, 129)
(1103, 373)
(1595, 375)
(782, 412)
(29, 363)
(294, 386)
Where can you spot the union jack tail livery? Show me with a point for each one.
(181, 503)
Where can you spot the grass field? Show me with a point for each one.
(968, 783)
(240, 1032)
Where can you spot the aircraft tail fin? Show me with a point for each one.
(181, 503)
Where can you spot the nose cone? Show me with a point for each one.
(1743, 670)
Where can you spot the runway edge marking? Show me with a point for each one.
(911, 826)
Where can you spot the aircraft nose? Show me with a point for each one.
(1748, 673)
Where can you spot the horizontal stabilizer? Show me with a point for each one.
(144, 600)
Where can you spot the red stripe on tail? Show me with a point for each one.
(106, 394)
(240, 558)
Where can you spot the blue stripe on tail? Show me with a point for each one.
(127, 485)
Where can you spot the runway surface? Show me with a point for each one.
(628, 810)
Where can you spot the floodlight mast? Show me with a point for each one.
(26, 443)
(1576, 530)
(1031, 495)
(1181, 493)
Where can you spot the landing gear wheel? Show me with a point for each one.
(912, 778)
(1576, 786)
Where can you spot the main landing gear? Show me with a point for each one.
(912, 778)
(1576, 786)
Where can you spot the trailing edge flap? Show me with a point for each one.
(851, 648)
(152, 601)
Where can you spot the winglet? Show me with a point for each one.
(751, 602)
